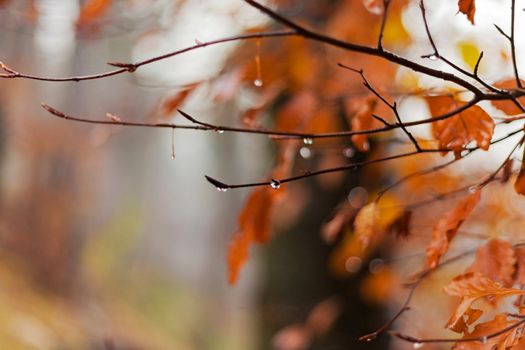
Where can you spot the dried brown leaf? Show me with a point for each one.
(500, 342)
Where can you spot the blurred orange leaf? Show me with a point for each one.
(508, 107)
(363, 120)
(91, 10)
(447, 227)
(365, 224)
(497, 261)
(471, 287)
(172, 103)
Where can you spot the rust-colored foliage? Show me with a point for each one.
(472, 124)
(496, 260)
(502, 341)
(471, 287)
(447, 227)
(363, 120)
(509, 107)
(468, 7)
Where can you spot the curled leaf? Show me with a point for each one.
(447, 227)
(471, 287)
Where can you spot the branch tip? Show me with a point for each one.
(221, 186)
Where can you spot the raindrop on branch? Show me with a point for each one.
(308, 141)
(275, 184)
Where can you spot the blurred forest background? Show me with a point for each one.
(109, 243)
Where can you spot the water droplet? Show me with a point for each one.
(222, 189)
(308, 141)
(173, 143)
(353, 264)
(418, 345)
(473, 189)
(258, 80)
(484, 340)
(219, 131)
(349, 152)
(305, 152)
(198, 42)
(275, 184)
(433, 57)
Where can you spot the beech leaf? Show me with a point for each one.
(501, 341)
(363, 120)
(471, 287)
(447, 227)
(496, 260)
(456, 132)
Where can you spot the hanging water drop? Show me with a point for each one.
(275, 184)
(433, 57)
(473, 189)
(418, 345)
(219, 131)
(222, 189)
(484, 340)
(172, 143)
(258, 80)
(308, 141)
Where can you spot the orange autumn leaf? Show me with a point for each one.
(255, 219)
(496, 260)
(447, 227)
(508, 107)
(471, 287)
(502, 341)
(91, 10)
(172, 103)
(363, 120)
(254, 226)
(456, 132)
(468, 7)
(365, 224)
